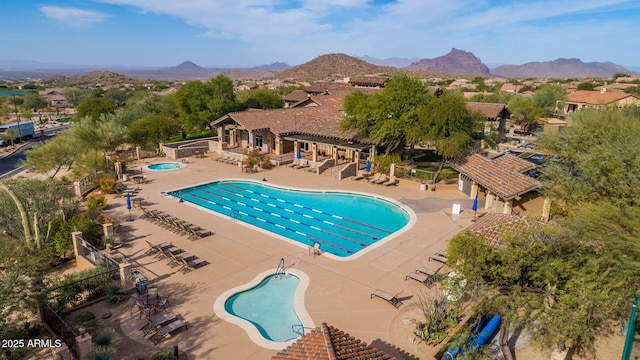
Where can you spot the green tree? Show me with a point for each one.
(200, 103)
(50, 157)
(94, 106)
(383, 118)
(597, 159)
(74, 95)
(587, 85)
(449, 124)
(547, 96)
(152, 129)
(524, 112)
(34, 101)
(260, 98)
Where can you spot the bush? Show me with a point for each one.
(96, 202)
(266, 163)
(163, 355)
(104, 339)
(108, 185)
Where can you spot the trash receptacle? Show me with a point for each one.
(142, 286)
(423, 186)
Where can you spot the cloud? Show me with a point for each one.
(73, 16)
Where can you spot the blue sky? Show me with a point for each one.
(243, 33)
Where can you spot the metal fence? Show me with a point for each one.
(60, 328)
(447, 175)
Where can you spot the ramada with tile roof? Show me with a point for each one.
(329, 343)
(496, 116)
(503, 182)
(585, 98)
(493, 226)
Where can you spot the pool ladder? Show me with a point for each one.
(280, 270)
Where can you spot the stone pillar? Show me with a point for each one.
(61, 353)
(296, 147)
(118, 167)
(474, 189)
(508, 206)
(392, 170)
(279, 144)
(335, 155)
(138, 153)
(356, 158)
(76, 241)
(546, 208)
(107, 228)
(85, 345)
(77, 190)
(125, 272)
(314, 152)
(488, 202)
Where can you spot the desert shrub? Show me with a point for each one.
(96, 202)
(104, 339)
(163, 355)
(108, 185)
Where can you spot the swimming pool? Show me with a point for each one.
(164, 166)
(342, 223)
(269, 308)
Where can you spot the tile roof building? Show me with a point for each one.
(597, 99)
(504, 183)
(493, 226)
(496, 116)
(329, 343)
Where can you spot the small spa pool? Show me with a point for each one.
(164, 166)
(270, 308)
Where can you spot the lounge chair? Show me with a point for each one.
(392, 181)
(391, 299)
(381, 180)
(167, 330)
(375, 177)
(438, 258)
(421, 278)
(302, 165)
(159, 321)
(359, 175)
(189, 264)
(294, 163)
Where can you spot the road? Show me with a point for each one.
(10, 165)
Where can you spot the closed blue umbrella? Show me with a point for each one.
(298, 154)
(475, 207)
(129, 205)
(368, 167)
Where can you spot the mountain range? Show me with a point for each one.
(325, 66)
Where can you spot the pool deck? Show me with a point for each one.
(339, 291)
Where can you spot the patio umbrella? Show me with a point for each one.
(475, 207)
(129, 204)
(298, 154)
(368, 167)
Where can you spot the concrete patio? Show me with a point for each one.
(339, 291)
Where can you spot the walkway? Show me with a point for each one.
(339, 290)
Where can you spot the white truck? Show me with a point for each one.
(16, 132)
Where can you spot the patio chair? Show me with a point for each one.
(438, 258)
(381, 180)
(168, 330)
(359, 175)
(392, 181)
(157, 322)
(375, 177)
(421, 278)
(391, 299)
(189, 264)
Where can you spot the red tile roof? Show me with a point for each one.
(596, 97)
(321, 119)
(494, 226)
(489, 110)
(369, 81)
(295, 96)
(503, 177)
(329, 343)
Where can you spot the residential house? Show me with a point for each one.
(597, 99)
(496, 116)
(55, 98)
(504, 182)
(369, 81)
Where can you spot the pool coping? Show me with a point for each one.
(412, 216)
(249, 328)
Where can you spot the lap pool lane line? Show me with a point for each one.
(346, 250)
(349, 229)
